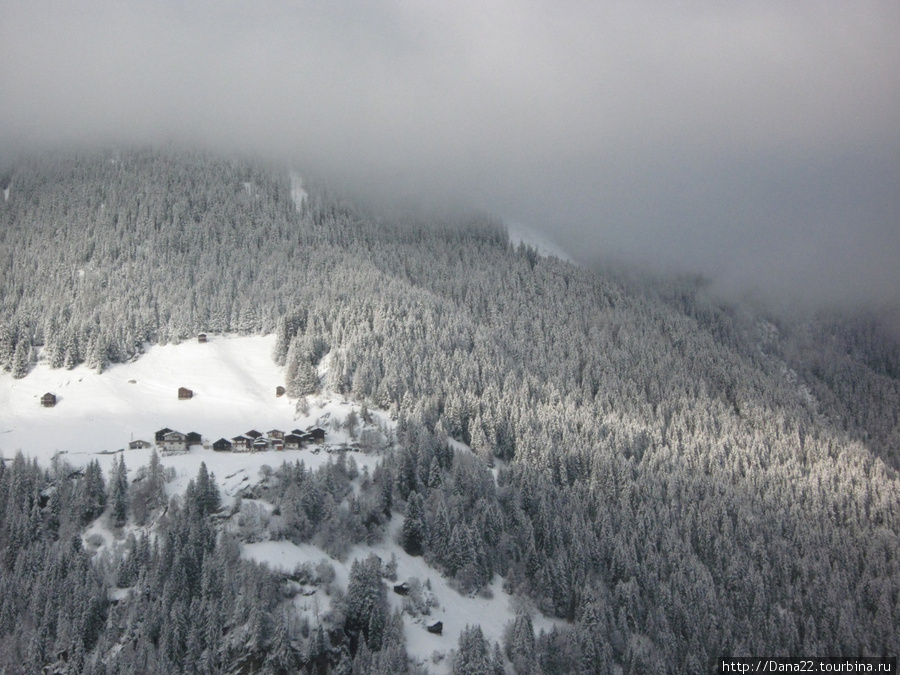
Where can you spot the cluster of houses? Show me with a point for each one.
(169, 440)
(275, 439)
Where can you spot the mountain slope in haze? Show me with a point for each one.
(677, 478)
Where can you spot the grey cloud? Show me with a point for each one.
(755, 142)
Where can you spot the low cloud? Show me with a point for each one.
(758, 143)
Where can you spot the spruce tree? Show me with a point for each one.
(118, 483)
(472, 653)
(21, 359)
(413, 534)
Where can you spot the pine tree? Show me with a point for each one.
(118, 484)
(21, 359)
(497, 663)
(472, 654)
(413, 534)
(521, 645)
(92, 492)
(366, 601)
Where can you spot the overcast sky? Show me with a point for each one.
(755, 142)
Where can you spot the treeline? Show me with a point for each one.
(190, 603)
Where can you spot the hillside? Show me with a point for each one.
(234, 381)
(672, 477)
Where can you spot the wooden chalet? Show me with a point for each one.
(275, 434)
(277, 444)
(241, 444)
(222, 445)
(201, 338)
(193, 438)
(138, 445)
(184, 393)
(161, 434)
(253, 433)
(293, 442)
(316, 435)
(260, 444)
(48, 400)
(175, 441)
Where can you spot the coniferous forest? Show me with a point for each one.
(674, 476)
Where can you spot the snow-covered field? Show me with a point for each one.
(234, 381)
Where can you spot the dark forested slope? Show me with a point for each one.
(679, 478)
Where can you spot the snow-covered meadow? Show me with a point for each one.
(233, 379)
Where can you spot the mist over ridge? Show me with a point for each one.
(757, 146)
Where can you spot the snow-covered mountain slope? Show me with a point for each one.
(234, 381)
(492, 610)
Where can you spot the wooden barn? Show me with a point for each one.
(193, 438)
(201, 338)
(184, 393)
(279, 391)
(138, 445)
(48, 400)
(260, 444)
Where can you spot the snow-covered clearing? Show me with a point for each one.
(233, 380)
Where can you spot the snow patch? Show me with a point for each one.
(522, 234)
(298, 194)
(492, 610)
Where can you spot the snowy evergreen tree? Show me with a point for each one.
(118, 492)
(472, 653)
(21, 359)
